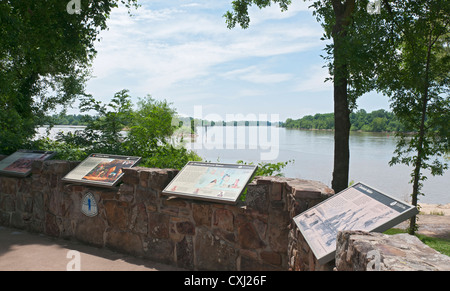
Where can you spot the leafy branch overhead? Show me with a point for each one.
(45, 59)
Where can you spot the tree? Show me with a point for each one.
(349, 60)
(104, 132)
(119, 129)
(151, 126)
(45, 57)
(416, 78)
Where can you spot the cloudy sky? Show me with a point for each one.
(182, 51)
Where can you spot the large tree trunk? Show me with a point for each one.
(341, 136)
(341, 104)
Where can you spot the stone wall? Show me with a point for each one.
(135, 218)
(258, 234)
(362, 251)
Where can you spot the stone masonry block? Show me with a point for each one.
(362, 251)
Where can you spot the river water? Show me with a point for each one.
(312, 156)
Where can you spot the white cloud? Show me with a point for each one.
(256, 75)
(186, 53)
(170, 45)
(314, 80)
(273, 12)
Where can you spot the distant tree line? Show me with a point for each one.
(376, 121)
(69, 119)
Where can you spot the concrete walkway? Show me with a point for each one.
(23, 251)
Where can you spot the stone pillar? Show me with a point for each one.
(302, 195)
(363, 251)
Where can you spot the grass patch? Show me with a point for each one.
(439, 244)
(434, 212)
(440, 213)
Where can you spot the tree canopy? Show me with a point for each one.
(45, 58)
(349, 57)
(415, 75)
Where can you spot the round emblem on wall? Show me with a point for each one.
(89, 205)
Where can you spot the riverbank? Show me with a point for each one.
(433, 220)
(435, 209)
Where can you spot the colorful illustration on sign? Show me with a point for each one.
(211, 181)
(24, 161)
(220, 179)
(108, 171)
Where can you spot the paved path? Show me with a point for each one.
(23, 251)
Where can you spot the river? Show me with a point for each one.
(312, 155)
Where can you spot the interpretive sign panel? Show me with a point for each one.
(19, 163)
(211, 181)
(358, 207)
(101, 170)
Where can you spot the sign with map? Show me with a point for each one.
(101, 170)
(358, 207)
(211, 181)
(19, 163)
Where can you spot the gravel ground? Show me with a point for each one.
(433, 220)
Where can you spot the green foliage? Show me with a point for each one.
(417, 81)
(103, 133)
(119, 129)
(68, 119)
(239, 14)
(64, 150)
(376, 121)
(265, 169)
(349, 58)
(45, 58)
(268, 169)
(151, 126)
(416, 78)
(14, 129)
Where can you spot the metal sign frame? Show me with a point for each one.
(216, 182)
(101, 170)
(359, 207)
(19, 163)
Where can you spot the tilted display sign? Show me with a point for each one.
(211, 181)
(101, 170)
(358, 207)
(19, 163)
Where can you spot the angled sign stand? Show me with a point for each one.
(19, 163)
(101, 170)
(359, 207)
(218, 182)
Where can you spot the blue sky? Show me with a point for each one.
(182, 51)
